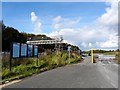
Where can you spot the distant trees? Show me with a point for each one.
(118, 50)
(100, 51)
(104, 51)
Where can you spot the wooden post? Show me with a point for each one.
(36, 57)
(11, 53)
(37, 61)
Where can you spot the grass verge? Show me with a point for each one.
(26, 67)
(117, 58)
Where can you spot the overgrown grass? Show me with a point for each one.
(26, 67)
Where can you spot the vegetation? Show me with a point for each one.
(102, 51)
(117, 57)
(108, 52)
(26, 67)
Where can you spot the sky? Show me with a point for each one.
(85, 24)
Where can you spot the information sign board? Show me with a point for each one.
(30, 50)
(23, 50)
(35, 50)
(16, 50)
(20, 50)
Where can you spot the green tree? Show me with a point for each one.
(9, 35)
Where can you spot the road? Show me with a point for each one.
(81, 75)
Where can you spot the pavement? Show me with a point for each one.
(81, 75)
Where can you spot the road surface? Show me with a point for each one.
(81, 75)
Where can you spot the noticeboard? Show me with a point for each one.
(16, 50)
(30, 50)
(35, 50)
(23, 50)
(20, 50)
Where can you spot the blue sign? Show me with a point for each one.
(16, 50)
(23, 50)
(20, 50)
(35, 50)
(30, 50)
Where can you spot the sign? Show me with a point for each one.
(35, 50)
(30, 50)
(69, 47)
(20, 50)
(23, 50)
(16, 50)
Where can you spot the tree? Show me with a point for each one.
(0, 36)
(9, 35)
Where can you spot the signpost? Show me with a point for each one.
(69, 49)
(20, 50)
(79, 52)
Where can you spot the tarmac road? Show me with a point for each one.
(82, 75)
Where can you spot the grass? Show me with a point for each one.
(110, 53)
(26, 67)
(117, 57)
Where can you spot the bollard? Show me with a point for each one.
(92, 55)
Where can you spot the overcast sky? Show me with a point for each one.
(85, 24)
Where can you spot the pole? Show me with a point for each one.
(37, 58)
(37, 61)
(92, 55)
(11, 53)
(69, 47)
(69, 55)
(10, 64)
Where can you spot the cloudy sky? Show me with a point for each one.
(85, 24)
